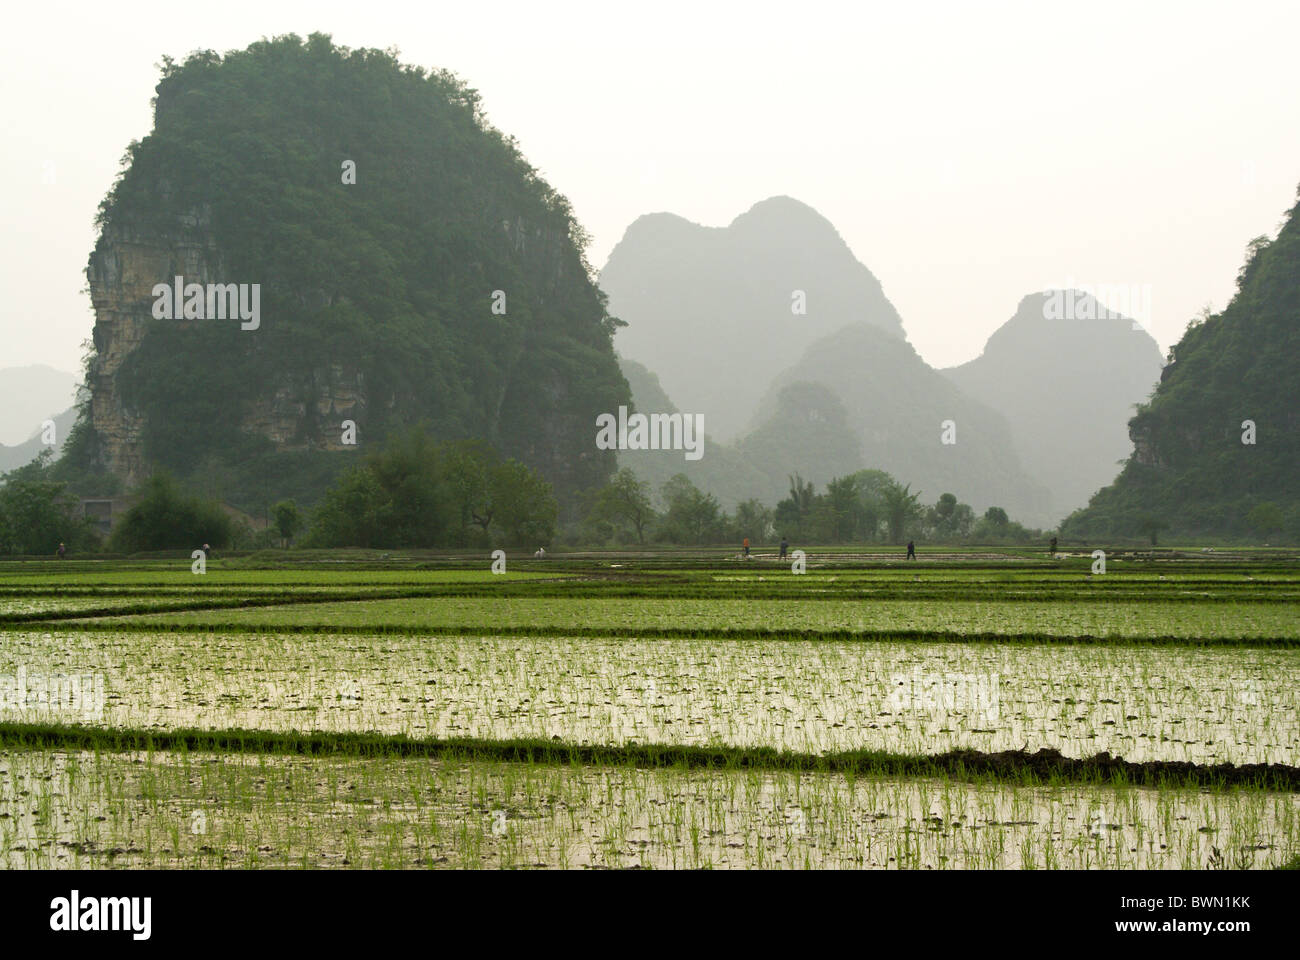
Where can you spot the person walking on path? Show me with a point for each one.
(785, 546)
(911, 550)
(746, 545)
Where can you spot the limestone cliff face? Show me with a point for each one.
(123, 269)
(290, 421)
(377, 292)
(1144, 451)
(122, 272)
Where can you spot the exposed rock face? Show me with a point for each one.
(377, 294)
(122, 272)
(284, 421)
(1143, 450)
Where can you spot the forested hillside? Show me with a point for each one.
(1217, 450)
(413, 268)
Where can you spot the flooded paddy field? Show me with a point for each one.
(83, 809)
(1205, 705)
(1192, 661)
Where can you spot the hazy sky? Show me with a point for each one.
(968, 153)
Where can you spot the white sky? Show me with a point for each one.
(968, 153)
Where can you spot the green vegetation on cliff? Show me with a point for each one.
(1198, 468)
(376, 296)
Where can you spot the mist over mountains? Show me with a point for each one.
(16, 455)
(1067, 386)
(30, 395)
(897, 406)
(1035, 424)
(380, 296)
(711, 309)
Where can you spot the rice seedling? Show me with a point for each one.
(968, 712)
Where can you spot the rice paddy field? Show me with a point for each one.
(969, 710)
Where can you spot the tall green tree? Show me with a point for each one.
(871, 486)
(754, 520)
(690, 515)
(415, 493)
(949, 519)
(166, 517)
(466, 467)
(348, 514)
(901, 507)
(996, 517)
(843, 509)
(288, 521)
(1151, 527)
(37, 514)
(523, 504)
(795, 511)
(625, 502)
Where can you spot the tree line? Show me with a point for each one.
(866, 506)
(416, 492)
(412, 492)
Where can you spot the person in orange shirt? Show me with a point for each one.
(747, 546)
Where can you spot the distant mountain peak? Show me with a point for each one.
(894, 406)
(783, 209)
(717, 312)
(29, 395)
(1065, 372)
(662, 221)
(1071, 315)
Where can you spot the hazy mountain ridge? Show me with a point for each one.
(16, 455)
(806, 433)
(897, 407)
(1067, 388)
(722, 471)
(811, 423)
(30, 395)
(711, 310)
